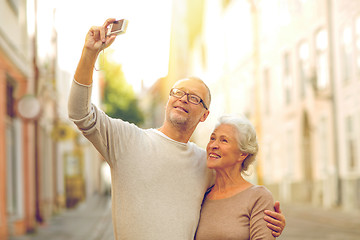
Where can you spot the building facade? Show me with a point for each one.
(292, 67)
(46, 166)
(16, 158)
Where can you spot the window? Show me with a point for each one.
(10, 169)
(322, 63)
(290, 152)
(14, 5)
(357, 32)
(350, 143)
(304, 67)
(10, 88)
(323, 146)
(267, 91)
(13, 153)
(307, 147)
(346, 54)
(287, 78)
(268, 168)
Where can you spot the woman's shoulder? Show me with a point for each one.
(261, 198)
(261, 190)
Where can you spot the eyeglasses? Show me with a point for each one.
(194, 99)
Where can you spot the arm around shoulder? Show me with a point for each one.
(262, 200)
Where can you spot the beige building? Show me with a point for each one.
(292, 67)
(17, 185)
(45, 165)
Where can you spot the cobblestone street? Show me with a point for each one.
(92, 221)
(309, 223)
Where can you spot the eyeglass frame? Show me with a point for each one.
(187, 96)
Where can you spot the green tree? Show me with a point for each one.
(119, 99)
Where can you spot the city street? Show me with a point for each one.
(92, 221)
(290, 67)
(309, 223)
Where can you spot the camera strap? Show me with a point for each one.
(103, 57)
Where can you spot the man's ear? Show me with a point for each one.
(204, 116)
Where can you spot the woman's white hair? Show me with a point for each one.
(245, 135)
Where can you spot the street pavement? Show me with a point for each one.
(310, 223)
(91, 220)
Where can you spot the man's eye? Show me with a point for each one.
(194, 99)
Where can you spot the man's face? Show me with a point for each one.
(180, 112)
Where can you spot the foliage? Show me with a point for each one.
(119, 99)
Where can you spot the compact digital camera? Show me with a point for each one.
(117, 27)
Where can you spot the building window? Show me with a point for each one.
(267, 91)
(307, 148)
(14, 5)
(287, 78)
(10, 89)
(357, 32)
(323, 146)
(304, 67)
(350, 143)
(290, 152)
(268, 164)
(346, 54)
(12, 152)
(322, 63)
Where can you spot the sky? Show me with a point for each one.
(143, 51)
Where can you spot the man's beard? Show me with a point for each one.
(178, 120)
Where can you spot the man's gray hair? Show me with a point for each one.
(206, 86)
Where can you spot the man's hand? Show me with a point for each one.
(276, 220)
(96, 38)
(95, 41)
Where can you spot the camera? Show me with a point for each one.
(117, 27)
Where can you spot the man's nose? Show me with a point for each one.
(184, 98)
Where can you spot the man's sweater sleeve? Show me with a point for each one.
(111, 137)
(87, 118)
(79, 101)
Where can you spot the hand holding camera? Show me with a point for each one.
(118, 27)
(101, 37)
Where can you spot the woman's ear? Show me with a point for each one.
(243, 156)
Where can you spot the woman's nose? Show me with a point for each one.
(213, 145)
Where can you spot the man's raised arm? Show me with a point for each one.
(79, 98)
(95, 41)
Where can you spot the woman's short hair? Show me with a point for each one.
(245, 135)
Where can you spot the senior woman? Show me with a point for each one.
(234, 208)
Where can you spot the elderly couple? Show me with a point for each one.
(165, 187)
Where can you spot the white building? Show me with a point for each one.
(292, 67)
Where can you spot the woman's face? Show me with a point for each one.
(222, 150)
